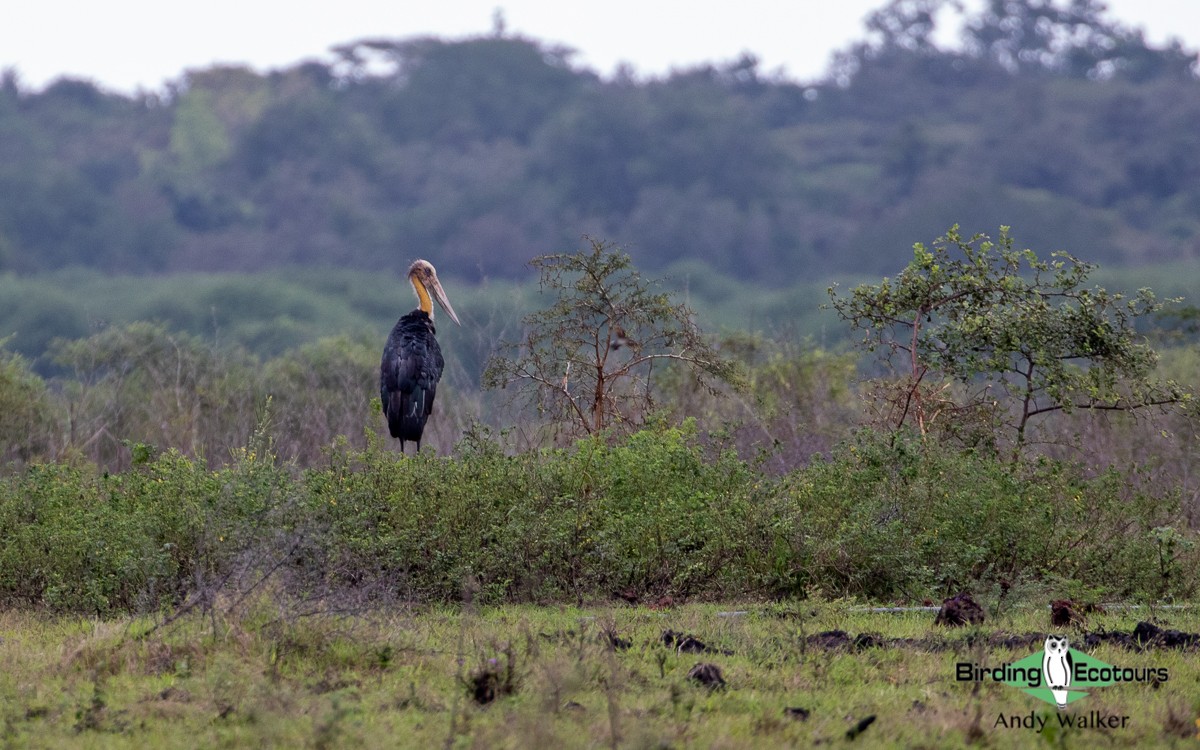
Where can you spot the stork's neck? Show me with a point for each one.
(425, 304)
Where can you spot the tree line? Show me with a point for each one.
(485, 151)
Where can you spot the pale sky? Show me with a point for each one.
(127, 45)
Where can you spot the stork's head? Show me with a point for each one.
(425, 283)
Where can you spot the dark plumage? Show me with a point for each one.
(412, 360)
(408, 376)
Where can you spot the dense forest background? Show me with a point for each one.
(481, 153)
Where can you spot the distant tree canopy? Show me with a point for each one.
(485, 151)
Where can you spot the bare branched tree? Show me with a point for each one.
(586, 362)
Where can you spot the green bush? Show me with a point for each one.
(652, 514)
(669, 517)
(424, 524)
(72, 539)
(75, 542)
(898, 520)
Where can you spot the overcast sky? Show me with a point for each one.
(125, 45)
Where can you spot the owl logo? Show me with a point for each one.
(1057, 666)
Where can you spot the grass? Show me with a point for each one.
(271, 676)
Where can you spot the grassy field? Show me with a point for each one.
(270, 675)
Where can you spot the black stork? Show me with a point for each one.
(412, 360)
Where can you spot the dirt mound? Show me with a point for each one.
(1145, 636)
(1064, 612)
(959, 610)
(708, 675)
(689, 644)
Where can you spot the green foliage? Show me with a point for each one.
(650, 515)
(140, 540)
(424, 525)
(77, 542)
(1027, 336)
(585, 361)
(573, 523)
(798, 400)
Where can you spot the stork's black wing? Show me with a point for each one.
(408, 376)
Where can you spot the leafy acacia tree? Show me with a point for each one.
(587, 361)
(975, 327)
